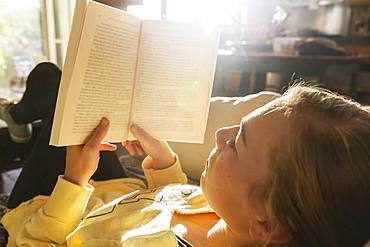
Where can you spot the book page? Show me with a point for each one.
(174, 80)
(103, 75)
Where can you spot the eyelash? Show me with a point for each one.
(231, 144)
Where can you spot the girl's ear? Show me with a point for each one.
(261, 230)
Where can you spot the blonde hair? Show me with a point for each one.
(319, 185)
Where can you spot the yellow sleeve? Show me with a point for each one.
(42, 221)
(170, 175)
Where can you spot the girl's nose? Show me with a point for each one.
(224, 134)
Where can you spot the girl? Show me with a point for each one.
(295, 172)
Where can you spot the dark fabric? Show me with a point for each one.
(45, 163)
(3, 210)
(39, 98)
(3, 236)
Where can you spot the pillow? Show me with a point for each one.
(223, 111)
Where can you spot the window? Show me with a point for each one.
(35, 30)
(58, 20)
(21, 42)
(208, 11)
(205, 11)
(149, 9)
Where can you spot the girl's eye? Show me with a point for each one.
(231, 144)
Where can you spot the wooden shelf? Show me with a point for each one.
(357, 2)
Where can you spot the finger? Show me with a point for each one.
(134, 146)
(147, 141)
(127, 142)
(106, 146)
(97, 137)
(138, 148)
(131, 149)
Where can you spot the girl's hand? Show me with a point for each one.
(160, 152)
(82, 160)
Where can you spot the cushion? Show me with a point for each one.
(224, 111)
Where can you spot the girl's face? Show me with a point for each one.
(239, 161)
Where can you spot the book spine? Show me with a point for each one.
(135, 78)
(76, 31)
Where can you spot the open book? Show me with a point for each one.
(157, 74)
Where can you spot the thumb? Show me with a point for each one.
(148, 142)
(141, 135)
(94, 140)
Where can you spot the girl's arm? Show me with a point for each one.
(43, 221)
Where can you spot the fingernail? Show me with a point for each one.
(104, 122)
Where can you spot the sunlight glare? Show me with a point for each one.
(205, 11)
(21, 5)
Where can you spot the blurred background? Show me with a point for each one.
(265, 45)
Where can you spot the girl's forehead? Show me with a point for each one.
(265, 110)
(264, 124)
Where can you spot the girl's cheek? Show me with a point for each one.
(224, 166)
